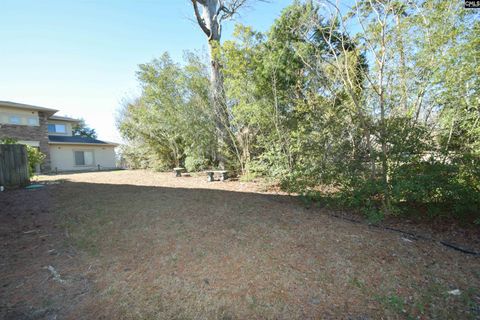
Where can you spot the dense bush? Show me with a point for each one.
(35, 158)
(193, 164)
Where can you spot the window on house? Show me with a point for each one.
(33, 121)
(14, 120)
(83, 158)
(57, 128)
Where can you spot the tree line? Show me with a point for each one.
(375, 106)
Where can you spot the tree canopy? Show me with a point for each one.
(81, 129)
(376, 107)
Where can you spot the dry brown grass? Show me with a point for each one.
(142, 245)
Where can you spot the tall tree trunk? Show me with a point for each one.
(219, 103)
(383, 129)
(403, 68)
(210, 23)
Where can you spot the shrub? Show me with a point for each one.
(143, 157)
(247, 177)
(35, 157)
(193, 163)
(442, 188)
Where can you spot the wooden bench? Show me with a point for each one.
(178, 171)
(211, 173)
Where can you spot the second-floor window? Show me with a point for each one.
(33, 121)
(57, 128)
(14, 120)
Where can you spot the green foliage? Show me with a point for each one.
(139, 156)
(171, 118)
(8, 140)
(422, 135)
(193, 164)
(81, 129)
(384, 121)
(35, 157)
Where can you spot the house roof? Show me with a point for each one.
(77, 140)
(63, 118)
(27, 107)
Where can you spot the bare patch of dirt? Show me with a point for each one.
(143, 245)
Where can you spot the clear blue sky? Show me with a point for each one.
(80, 56)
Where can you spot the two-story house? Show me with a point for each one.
(40, 127)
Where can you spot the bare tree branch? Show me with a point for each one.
(200, 20)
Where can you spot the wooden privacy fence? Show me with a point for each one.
(13, 165)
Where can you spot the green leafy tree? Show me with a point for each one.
(171, 118)
(81, 129)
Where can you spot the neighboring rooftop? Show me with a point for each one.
(11, 104)
(77, 140)
(63, 118)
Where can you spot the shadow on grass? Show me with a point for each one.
(176, 252)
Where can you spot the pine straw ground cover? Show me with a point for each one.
(143, 245)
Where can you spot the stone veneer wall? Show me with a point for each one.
(32, 133)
